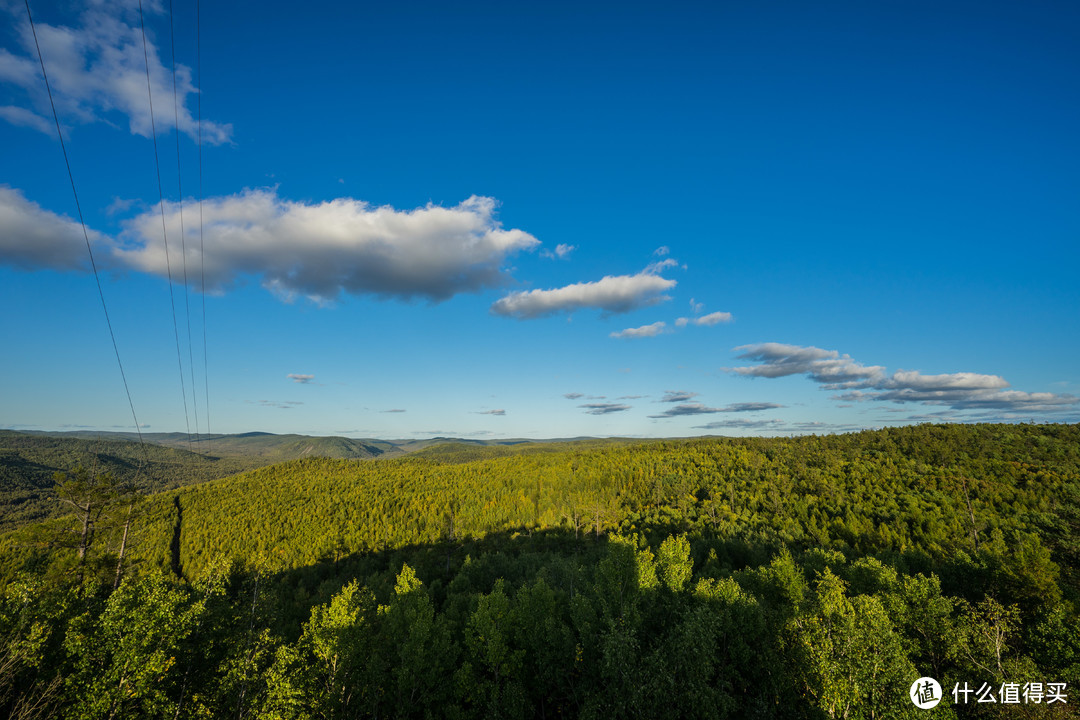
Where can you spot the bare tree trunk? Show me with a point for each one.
(84, 538)
(87, 528)
(123, 547)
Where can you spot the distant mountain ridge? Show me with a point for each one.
(29, 462)
(275, 447)
(265, 445)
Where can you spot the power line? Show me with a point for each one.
(183, 234)
(86, 237)
(202, 252)
(164, 232)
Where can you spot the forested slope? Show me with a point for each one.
(806, 578)
(29, 462)
(924, 499)
(276, 448)
(271, 446)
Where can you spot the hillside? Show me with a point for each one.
(266, 446)
(900, 491)
(29, 462)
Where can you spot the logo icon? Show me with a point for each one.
(925, 693)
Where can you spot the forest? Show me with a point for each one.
(29, 463)
(808, 577)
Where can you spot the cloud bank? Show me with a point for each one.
(613, 294)
(960, 390)
(343, 246)
(97, 71)
(780, 426)
(320, 251)
(696, 408)
(823, 366)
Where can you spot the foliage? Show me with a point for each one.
(722, 578)
(29, 464)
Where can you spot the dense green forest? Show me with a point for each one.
(29, 461)
(812, 577)
(28, 464)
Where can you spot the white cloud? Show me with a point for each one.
(612, 294)
(562, 251)
(341, 246)
(97, 70)
(917, 382)
(714, 318)
(711, 319)
(662, 251)
(640, 332)
(302, 379)
(981, 398)
(696, 307)
(319, 251)
(824, 366)
(120, 205)
(660, 265)
(492, 412)
(959, 391)
(26, 118)
(32, 238)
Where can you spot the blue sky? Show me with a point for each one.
(544, 220)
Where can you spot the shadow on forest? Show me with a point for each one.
(174, 544)
(563, 558)
(566, 560)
